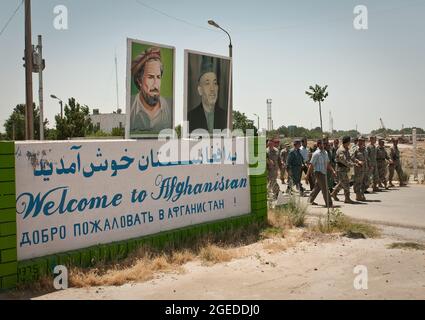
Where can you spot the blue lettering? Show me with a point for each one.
(30, 205)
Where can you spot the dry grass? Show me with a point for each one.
(212, 254)
(339, 223)
(278, 220)
(289, 215)
(140, 267)
(292, 237)
(145, 263)
(44, 285)
(182, 257)
(407, 245)
(273, 232)
(275, 246)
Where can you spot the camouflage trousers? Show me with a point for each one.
(372, 176)
(396, 167)
(283, 174)
(382, 172)
(343, 182)
(359, 180)
(272, 185)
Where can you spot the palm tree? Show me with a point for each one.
(318, 94)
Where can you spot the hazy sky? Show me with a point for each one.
(280, 48)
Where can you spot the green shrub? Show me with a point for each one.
(295, 211)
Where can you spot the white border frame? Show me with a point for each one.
(130, 41)
(186, 84)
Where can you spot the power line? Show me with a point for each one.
(11, 17)
(174, 18)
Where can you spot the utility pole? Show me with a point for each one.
(40, 67)
(231, 83)
(230, 116)
(29, 110)
(116, 81)
(269, 115)
(415, 159)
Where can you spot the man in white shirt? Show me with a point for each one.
(319, 166)
(149, 111)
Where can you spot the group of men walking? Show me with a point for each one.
(327, 167)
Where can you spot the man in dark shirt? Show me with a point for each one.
(294, 166)
(208, 115)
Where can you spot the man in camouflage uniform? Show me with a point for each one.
(334, 150)
(359, 156)
(395, 164)
(283, 158)
(331, 156)
(354, 145)
(373, 165)
(343, 165)
(382, 158)
(273, 160)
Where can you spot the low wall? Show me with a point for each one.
(14, 270)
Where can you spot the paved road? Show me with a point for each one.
(396, 207)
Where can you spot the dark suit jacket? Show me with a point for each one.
(197, 119)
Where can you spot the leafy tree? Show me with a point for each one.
(15, 124)
(241, 122)
(318, 94)
(51, 134)
(271, 134)
(75, 123)
(300, 132)
(118, 132)
(178, 130)
(342, 133)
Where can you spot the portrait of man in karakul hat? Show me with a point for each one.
(208, 115)
(149, 110)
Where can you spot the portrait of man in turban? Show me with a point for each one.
(150, 111)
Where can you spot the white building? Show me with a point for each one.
(107, 121)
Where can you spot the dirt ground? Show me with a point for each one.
(301, 265)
